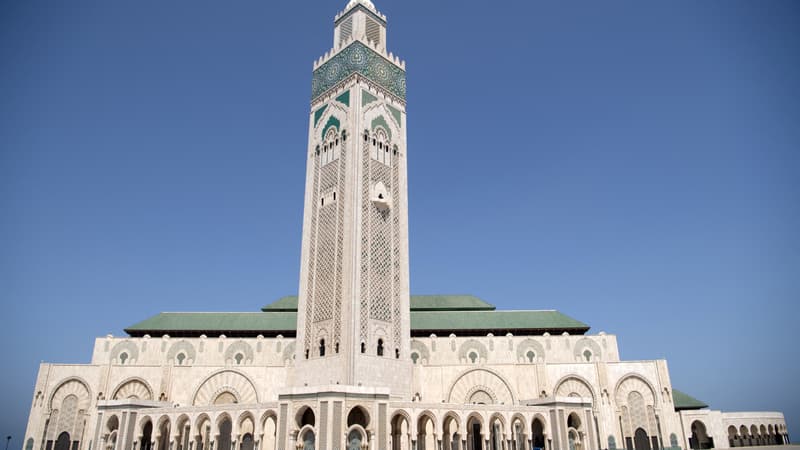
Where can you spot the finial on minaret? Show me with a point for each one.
(366, 3)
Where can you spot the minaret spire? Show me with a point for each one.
(353, 308)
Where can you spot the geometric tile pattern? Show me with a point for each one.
(358, 58)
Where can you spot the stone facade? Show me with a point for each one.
(351, 371)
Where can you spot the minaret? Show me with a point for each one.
(353, 313)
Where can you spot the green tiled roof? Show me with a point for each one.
(423, 323)
(215, 322)
(439, 314)
(448, 303)
(418, 303)
(288, 303)
(500, 321)
(684, 401)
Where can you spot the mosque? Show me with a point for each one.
(354, 362)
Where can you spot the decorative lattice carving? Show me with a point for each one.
(574, 387)
(225, 381)
(312, 258)
(130, 350)
(474, 380)
(380, 273)
(365, 247)
(396, 244)
(472, 345)
(325, 289)
(340, 206)
(184, 347)
(134, 389)
(71, 387)
(239, 348)
(421, 350)
(581, 347)
(530, 351)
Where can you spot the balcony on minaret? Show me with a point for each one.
(360, 21)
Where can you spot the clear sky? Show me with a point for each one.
(632, 164)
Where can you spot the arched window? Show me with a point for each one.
(336, 347)
(123, 357)
(322, 347)
(381, 145)
(330, 146)
(397, 353)
(473, 357)
(181, 358)
(363, 348)
(380, 347)
(530, 355)
(414, 357)
(308, 440)
(239, 357)
(306, 353)
(588, 355)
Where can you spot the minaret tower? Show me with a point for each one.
(353, 313)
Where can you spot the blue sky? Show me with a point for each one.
(632, 164)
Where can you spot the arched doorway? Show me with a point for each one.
(574, 440)
(700, 438)
(496, 434)
(270, 430)
(224, 437)
(641, 440)
(733, 437)
(537, 434)
(247, 442)
(163, 435)
(400, 432)
(426, 440)
(308, 439)
(62, 443)
(147, 437)
(354, 439)
(450, 433)
(474, 436)
(358, 416)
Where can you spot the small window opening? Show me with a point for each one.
(323, 201)
(336, 347)
(380, 196)
(374, 142)
(334, 195)
(123, 357)
(322, 347)
(414, 357)
(181, 357)
(397, 353)
(380, 347)
(530, 356)
(344, 136)
(306, 353)
(366, 137)
(363, 348)
(473, 357)
(588, 355)
(239, 357)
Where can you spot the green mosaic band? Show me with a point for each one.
(358, 58)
